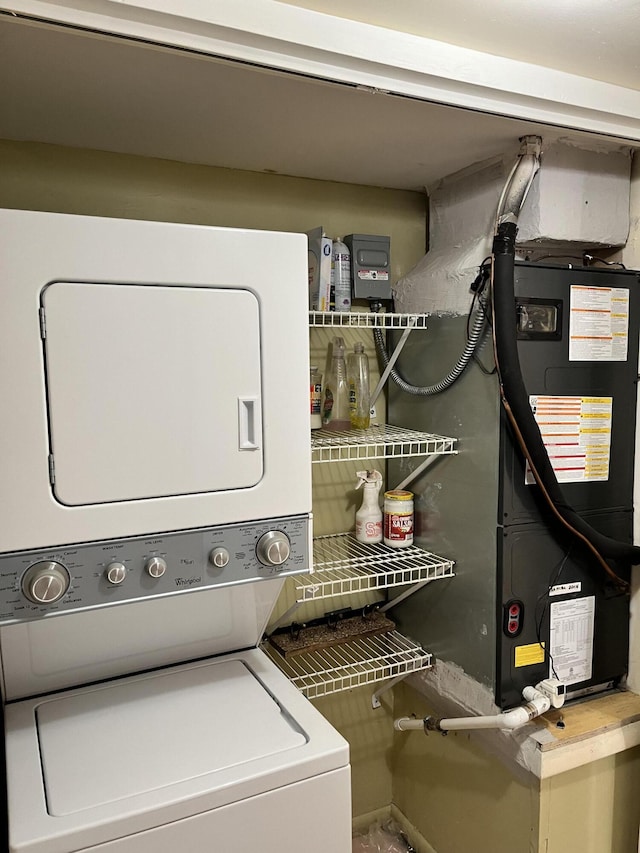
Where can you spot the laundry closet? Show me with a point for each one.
(153, 113)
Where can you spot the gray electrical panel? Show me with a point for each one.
(370, 266)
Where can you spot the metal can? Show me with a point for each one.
(398, 519)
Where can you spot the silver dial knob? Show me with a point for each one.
(116, 573)
(155, 567)
(219, 557)
(45, 582)
(273, 548)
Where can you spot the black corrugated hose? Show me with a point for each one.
(516, 403)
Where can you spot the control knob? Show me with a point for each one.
(273, 548)
(116, 573)
(155, 567)
(45, 582)
(219, 557)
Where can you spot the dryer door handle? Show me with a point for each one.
(249, 423)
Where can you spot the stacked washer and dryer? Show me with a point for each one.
(155, 494)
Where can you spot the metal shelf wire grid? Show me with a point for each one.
(361, 319)
(352, 664)
(377, 442)
(343, 566)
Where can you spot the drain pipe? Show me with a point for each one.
(539, 699)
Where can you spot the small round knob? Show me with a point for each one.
(155, 567)
(116, 573)
(45, 582)
(273, 548)
(219, 557)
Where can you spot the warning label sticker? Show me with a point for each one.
(577, 434)
(571, 639)
(373, 275)
(598, 323)
(529, 655)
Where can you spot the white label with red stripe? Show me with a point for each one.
(577, 434)
(598, 323)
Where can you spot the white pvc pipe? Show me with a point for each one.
(537, 703)
(509, 720)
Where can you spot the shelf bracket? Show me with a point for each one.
(419, 470)
(375, 698)
(394, 356)
(284, 618)
(404, 595)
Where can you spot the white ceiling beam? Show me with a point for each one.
(276, 35)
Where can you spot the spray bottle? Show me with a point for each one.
(369, 516)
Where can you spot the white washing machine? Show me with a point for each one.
(219, 754)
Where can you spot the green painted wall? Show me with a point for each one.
(69, 180)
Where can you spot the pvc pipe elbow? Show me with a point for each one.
(405, 724)
(537, 700)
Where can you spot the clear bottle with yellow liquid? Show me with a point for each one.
(359, 394)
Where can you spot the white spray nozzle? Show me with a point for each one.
(369, 478)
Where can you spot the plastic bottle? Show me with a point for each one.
(335, 405)
(359, 396)
(315, 401)
(341, 276)
(369, 516)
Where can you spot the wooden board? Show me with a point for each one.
(323, 636)
(590, 717)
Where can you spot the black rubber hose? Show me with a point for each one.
(517, 399)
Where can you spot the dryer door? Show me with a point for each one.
(152, 390)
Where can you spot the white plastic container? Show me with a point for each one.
(341, 276)
(369, 516)
(315, 397)
(398, 519)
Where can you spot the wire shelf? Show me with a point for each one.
(352, 664)
(377, 442)
(362, 319)
(343, 566)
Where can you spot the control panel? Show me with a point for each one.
(40, 583)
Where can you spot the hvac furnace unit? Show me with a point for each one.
(528, 601)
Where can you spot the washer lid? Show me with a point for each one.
(118, 740)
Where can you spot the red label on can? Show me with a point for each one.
(398, 527)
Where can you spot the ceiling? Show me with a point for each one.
(591, 38)
(84, 90)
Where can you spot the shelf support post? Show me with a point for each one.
(375, 698)
(414, 588)
(394, 356)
